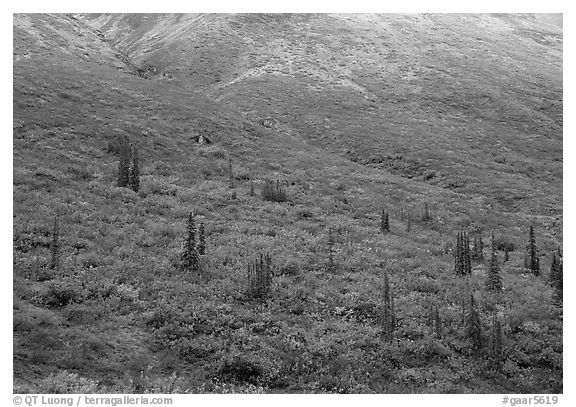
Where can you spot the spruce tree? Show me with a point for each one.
(426, 215)
(201, 240)
(553, 270)
(496, 345)
(130, 161)
(466, 254)
(330, 247)
(134, 175)
(430, 318)
(494, 281)
(124, 165)
(389, 317)
(55, 245)
(462, 262)
(230, 173)
(387, 222)
(458, 255)
(558, 295)
(532, 253)
(556, 279)
(190, 258)
(473, 324)
(384, 222)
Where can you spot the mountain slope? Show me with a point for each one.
(487, 88)
(462, 113)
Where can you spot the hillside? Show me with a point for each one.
(392, 82)
(462, 113)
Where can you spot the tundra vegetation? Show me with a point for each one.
(351, 256)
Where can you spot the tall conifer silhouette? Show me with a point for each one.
(190, 258)
(134, 173)
(384, 222)
(389, 317)
(532, 259)
(494, 281)
(55, 245)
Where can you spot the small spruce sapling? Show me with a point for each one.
(496, 344)
(494, 281)
(190, 259)
(124, 165)
(389, 317)
(330, 247)
(466, 253)
(134, 173)
(532, 259)
(230, 173)
(384, 222)
(426, 216)
(55, 245)
(556, 279)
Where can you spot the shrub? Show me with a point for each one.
(161, 316)
(239, 369)
(426, 215)
(82, 314)
(61, 293)
(159, 384)
(65, 382)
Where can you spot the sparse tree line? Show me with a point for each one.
(485, 338)
(407, 216)
(129, 176)
(260, 271)
(129, 173)
(464, 254)
(259, 275)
